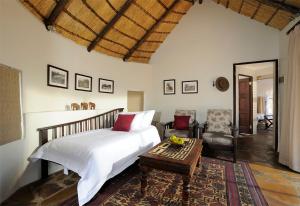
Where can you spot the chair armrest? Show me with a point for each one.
(194, 124)
(167, 125)
(203, 127)
(234, 131)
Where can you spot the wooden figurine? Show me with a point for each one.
(92, 105)
(75, 106)
(84, 106)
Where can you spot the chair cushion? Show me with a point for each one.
(181, 122)
(219, 120)
(178, 133)
(191, 113)
(217, 138)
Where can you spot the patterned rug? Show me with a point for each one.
(215, 183)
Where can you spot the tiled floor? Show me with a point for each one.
(279, 185)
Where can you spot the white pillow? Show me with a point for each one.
(148, 117)
(141, 120)
(137, 122)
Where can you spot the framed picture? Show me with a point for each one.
(190, 87)
(57, 77)
(83, 82)
(169, 86)
(106, 86)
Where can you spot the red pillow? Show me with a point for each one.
(123, 122)
(181, 122)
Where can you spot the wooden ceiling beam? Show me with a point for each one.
(59, 7)
(227, 4)
(240, 9)
(281, 5)
(149, 31)
(256, 10)
(272, 16)
(110, 24)
(293, 27)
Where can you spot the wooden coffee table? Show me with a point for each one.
(182, 161)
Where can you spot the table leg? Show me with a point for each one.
(186, 190)
(199, 161)
(144, 171)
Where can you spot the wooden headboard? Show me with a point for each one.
(104, 120)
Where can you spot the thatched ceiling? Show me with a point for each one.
(134, 29)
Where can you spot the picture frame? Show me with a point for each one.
(57, 77)
(106, 86)
(169, 87)
(83, 82)
(190, 87)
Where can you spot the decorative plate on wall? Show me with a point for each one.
(222, 84)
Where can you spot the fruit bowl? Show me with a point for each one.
(178, 141)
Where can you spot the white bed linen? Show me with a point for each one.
(97, 155)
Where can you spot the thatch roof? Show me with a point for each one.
(134, 29)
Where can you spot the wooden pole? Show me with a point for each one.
(149, 31)
(55, 13)
(108, 26)
(273, 15)
(292, 9)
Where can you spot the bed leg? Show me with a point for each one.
(44, 169)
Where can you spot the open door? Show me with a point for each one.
(135, 101)
(245, 105)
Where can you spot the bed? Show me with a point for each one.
(93, 150)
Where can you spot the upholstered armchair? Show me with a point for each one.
(190, 131)
(218, 132)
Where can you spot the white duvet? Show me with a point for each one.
(97, 155)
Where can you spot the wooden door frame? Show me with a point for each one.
(276, 90)
(251, 100)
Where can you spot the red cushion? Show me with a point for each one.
(181, 122)
(123, 122)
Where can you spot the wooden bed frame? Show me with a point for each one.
(104, 120)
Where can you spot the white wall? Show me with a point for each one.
(26, 45)
(204, 46)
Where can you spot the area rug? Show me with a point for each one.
(216, 182)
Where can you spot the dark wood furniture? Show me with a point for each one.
(105, 120)
(232, 147)
(268, 121)
(192, 131)
(185, 167)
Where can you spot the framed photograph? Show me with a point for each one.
(106, 86)
(57, 77)
(190, 87)
(83, 82)
(169, 86)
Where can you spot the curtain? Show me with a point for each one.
(289, 152)
(10, 106)
(260, 105)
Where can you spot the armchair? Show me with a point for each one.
(218, 132)
(169, 129)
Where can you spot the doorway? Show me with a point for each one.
(256, 110)
(135, 101)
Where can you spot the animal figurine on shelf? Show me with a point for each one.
(75, 106)
(92, 105)
(84, 106)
